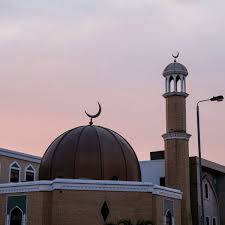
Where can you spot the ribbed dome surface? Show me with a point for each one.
(175, 68)
(91, 152)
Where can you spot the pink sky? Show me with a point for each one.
(58, 58)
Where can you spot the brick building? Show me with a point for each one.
(174, 166)
(91, 175)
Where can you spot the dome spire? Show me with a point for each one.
(94, 116)
(176, 56)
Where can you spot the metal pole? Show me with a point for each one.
(200, 167)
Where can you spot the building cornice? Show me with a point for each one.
(20, 155)
(168, 94)
(163, 191)
(89, 185)
(177, 136)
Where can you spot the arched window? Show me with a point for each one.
(29, 173)
(14, 174)
(207, 220)
(171, 84)
(178, 84)
(214, 221)
(206, 191)
(16, 216)
(168, 218)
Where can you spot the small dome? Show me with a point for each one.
(175, 68)
(90, 152)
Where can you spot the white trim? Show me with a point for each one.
(15, 168)
(176, 135)
(14, 208)
(7, 222)
(20, 155)
(167, 192)
(175, 83)
(24, 219)
(92, 185)
(182, 83)
(31, 171)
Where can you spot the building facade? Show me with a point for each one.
(67, 201)
(18, 167)
(91, 175)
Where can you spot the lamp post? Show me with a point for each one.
(218, 99)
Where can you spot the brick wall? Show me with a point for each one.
(84, 207)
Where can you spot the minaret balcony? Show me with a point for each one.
(175, 93)
(176, 135)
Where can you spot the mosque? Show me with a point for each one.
(91, 175)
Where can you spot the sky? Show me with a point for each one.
(58, 58)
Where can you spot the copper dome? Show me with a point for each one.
(91, 152)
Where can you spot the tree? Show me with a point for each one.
(144, 222)
(124, 222)
(128, 222)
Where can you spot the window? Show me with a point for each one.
(29, 176)
(29, 173)
(16, 217)
(214, 221)
(178, 84)
(207, 222)
(206, 191)
(168, 218)
(162, 181)
(171, 84)
(14, 172)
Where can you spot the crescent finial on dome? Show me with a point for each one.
(95, 115)
(176, 56)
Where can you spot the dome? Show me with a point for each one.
(175, 68)
(90, 152)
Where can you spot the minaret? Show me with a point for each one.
(176, 138)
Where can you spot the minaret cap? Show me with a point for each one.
(175, 68)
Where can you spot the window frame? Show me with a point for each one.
(15, 168)
(162, 181)
(30, 171)
(207, 217)
(214, 218)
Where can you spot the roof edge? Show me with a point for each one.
(90, 185)
(20, 155)
(209, 164)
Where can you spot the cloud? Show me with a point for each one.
(59, 56)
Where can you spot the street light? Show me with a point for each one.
(218, 99)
